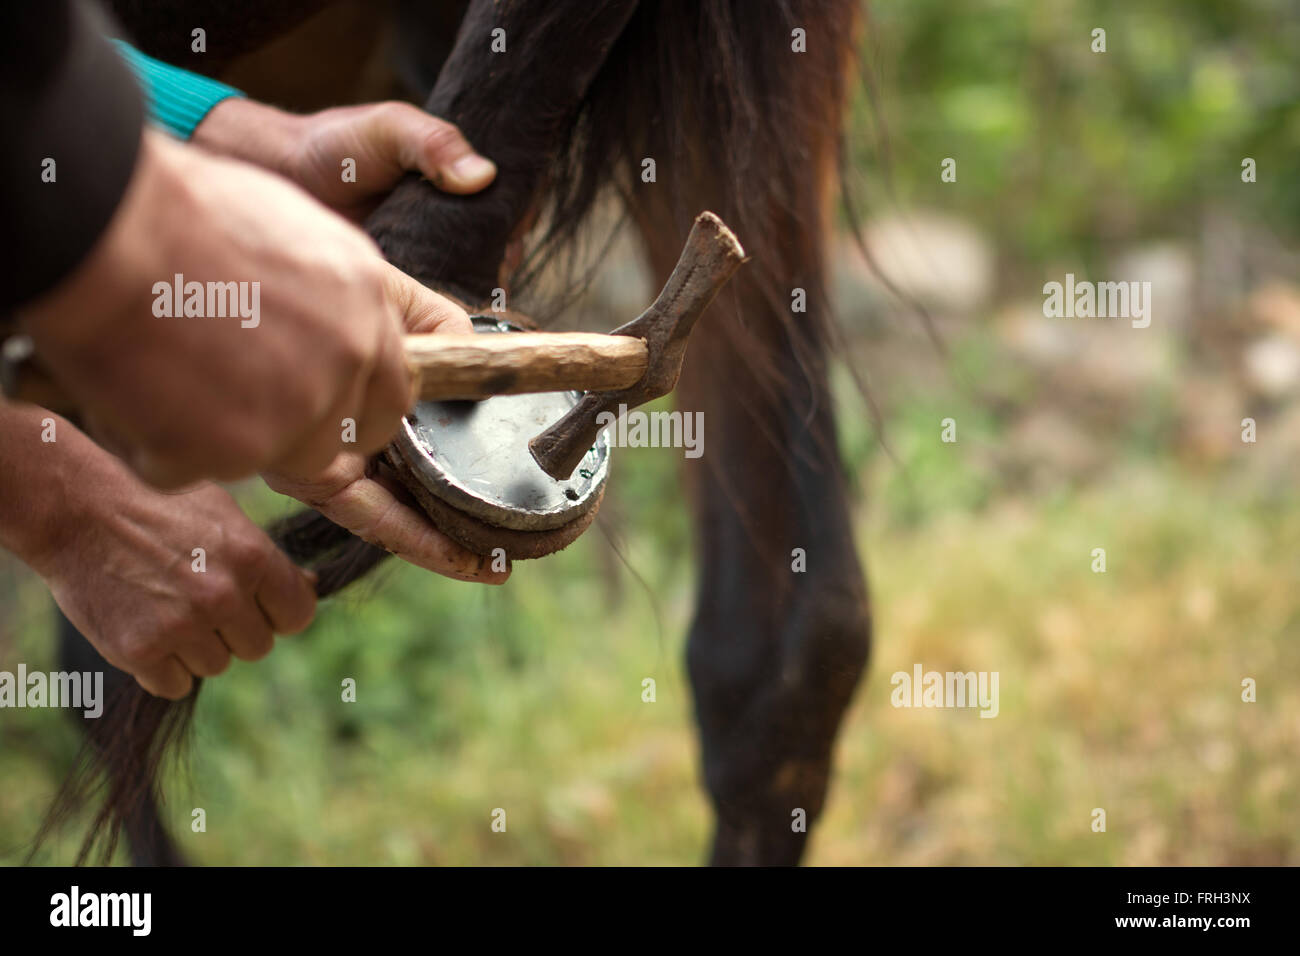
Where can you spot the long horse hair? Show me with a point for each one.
(710, 86)
(122, 758)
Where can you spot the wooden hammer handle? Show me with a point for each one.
(467, 365)
(476, 366)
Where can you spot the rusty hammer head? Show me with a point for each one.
(712, 253)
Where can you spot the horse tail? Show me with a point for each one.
(736, 104)
(124, 752)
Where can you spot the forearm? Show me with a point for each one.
(47, 469)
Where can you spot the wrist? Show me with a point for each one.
(250, 131)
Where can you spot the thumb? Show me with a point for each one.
(420, 308)
(433, 146)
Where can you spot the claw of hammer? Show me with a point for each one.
(710, 257)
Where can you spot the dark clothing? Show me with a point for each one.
(66, 96)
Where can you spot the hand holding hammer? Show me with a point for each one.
(634, 364)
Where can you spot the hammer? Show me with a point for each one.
(632, 365)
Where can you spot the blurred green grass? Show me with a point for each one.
(1118, 690)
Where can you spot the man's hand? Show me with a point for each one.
(376, 509)
(185, 397)
(383, 141)
(373, 508)
(119, 558)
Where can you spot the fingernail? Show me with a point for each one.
(472, 169)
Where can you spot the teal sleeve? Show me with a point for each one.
(178, 99)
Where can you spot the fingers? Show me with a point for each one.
(415, 140)
(378, 401)
(286, 596)
(204, 654)
(368, 411)
(248, 631)
(283, 602)
(265, 593)
(247, 634)
(323, 442)
(423, 310)
(372, 512)
(389, 394)
(167, 678)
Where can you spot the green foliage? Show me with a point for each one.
(1060, 149)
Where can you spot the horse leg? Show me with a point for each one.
(774, 651)
(781, 631)
(776, 647)
(773, 663)
(147, 838)
(517, 108)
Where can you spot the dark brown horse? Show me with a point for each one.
(738, 120)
